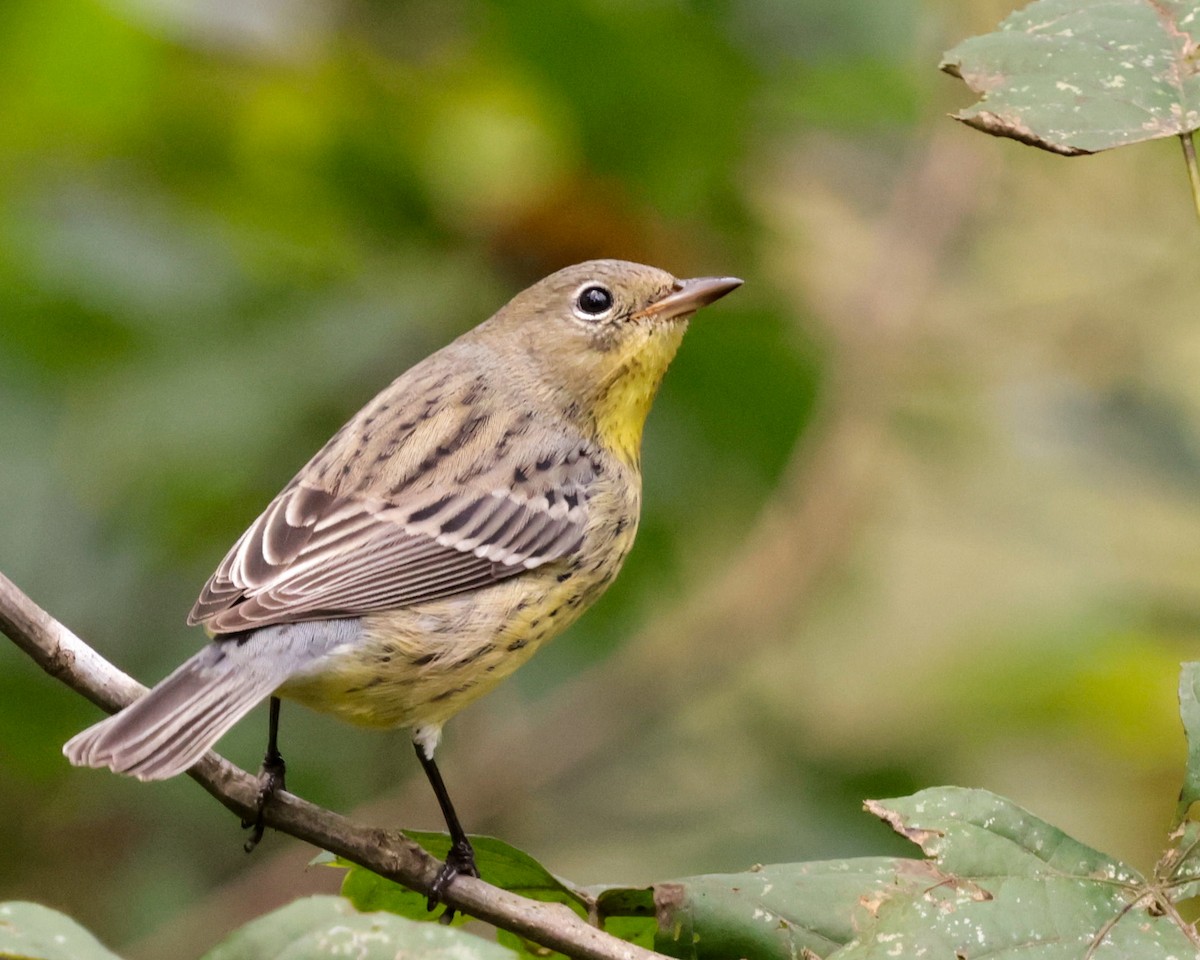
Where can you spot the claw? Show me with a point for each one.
(460, 861)
(271, 778)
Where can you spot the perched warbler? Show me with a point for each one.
(467, 514)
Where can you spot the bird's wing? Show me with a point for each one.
(440, 523)
(315, 554)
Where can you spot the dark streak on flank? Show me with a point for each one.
(476, 654)
(446, 694)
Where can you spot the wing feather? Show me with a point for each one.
(395, 511)
(312, 553)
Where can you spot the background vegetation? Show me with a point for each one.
(923, 499)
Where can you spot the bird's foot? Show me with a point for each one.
(460, 861)
(271, 779)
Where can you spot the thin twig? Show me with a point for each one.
(1189, 157)
(387, 852)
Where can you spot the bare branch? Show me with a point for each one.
(387, 852)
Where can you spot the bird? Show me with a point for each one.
(470, 512)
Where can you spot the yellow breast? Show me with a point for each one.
(624, 400)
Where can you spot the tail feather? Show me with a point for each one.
(172, 726)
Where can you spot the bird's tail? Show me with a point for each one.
(170, 728)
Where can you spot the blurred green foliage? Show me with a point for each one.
(223, 227)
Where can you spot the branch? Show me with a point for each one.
(387, 852)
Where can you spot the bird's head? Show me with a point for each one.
(599, 336)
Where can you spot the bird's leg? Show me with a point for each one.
(270, 778)
(461, 858)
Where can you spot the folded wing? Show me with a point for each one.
(314, 554)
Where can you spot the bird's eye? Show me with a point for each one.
(593, 301)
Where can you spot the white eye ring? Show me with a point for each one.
(589, 297)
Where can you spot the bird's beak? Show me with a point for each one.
(688, 296)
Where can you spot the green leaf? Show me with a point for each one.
(525, 949)
(1013, 886)
(776, 911)
(32, 932)
(976, 833)
(1000, 883)
(1078, 76)
(330, 927)
(638, 930)
(627, 912)
(370, 892)
(499, 864)
(1189, 711)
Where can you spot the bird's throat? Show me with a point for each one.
(624, 401)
